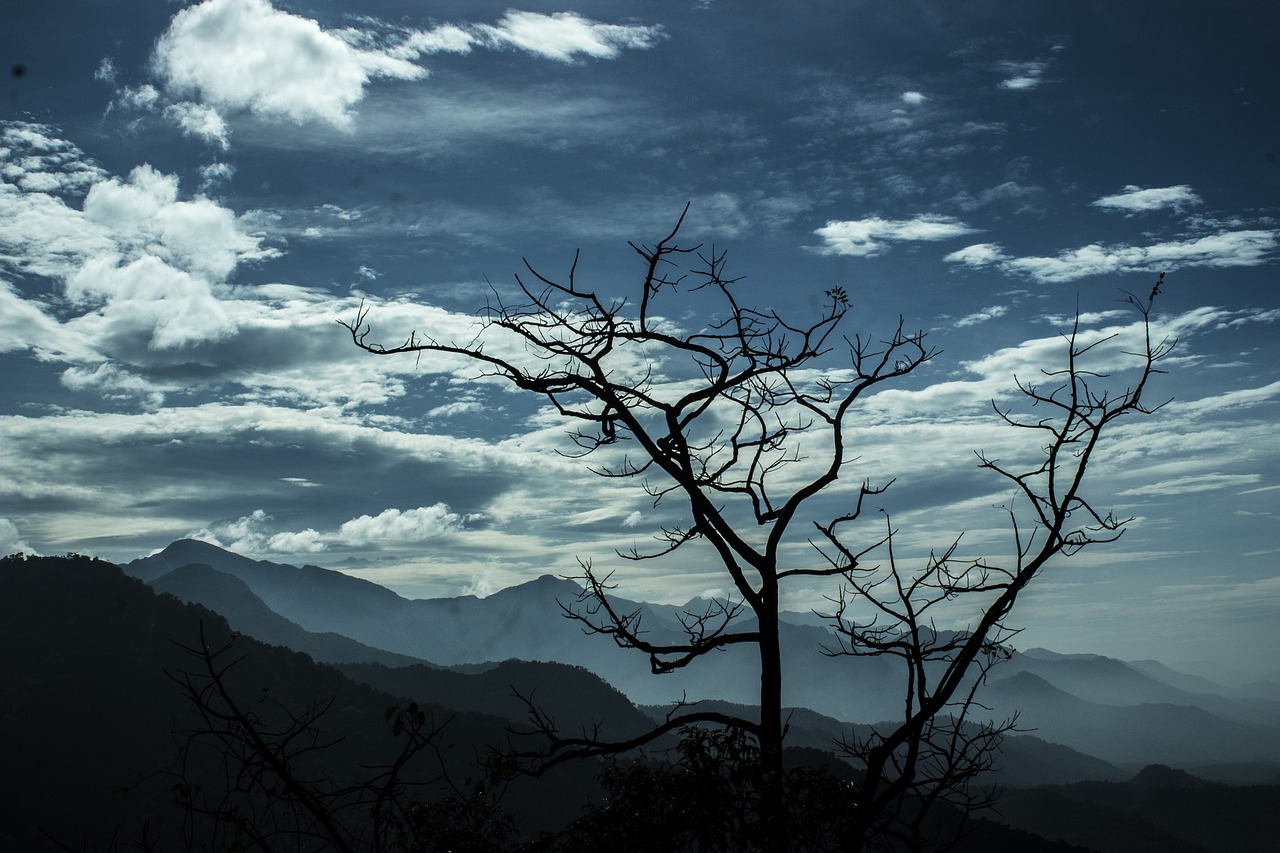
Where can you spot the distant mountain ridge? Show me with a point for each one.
(231, 597)
(1093, 704)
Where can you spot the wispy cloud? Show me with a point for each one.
(1193, 484)
(873, 235)
(991, 312)
(1020, 76)
(1133, 199)
(1224, 249)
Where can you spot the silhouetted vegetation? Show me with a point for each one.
(713, 418)
(122, 730)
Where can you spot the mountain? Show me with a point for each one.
(1109, 681)
(1159, 810)
(92, 722)
(576, 699)
(227, 595)
(1024, 760)
(1089, 703)
(1134, 734)
(527, 622)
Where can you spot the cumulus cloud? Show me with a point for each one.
(871, 236)
(199, 120)
(235, 55)
(913, 98)
(10, 541)
(145, 216)
(1224, 249)
(141, 269)
(253, 534)
(1134, 199)
(394, 526)
(222, 57)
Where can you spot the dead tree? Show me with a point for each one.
(259, 774)
(713, 418)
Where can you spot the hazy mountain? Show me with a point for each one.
(1133, 734)
(527, 622)
(1091, 704)
(1267, 691)
(232, 598)
(1108, 681)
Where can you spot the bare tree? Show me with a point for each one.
(714, 418)
(258, 774)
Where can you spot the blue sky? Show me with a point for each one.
(193, 194)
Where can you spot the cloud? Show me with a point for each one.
(1193, 484)
(977, 255)
(1224, 249)
(394, 526)
(1137, 200)
(563, 36)
(222, 57)
(252, 534)
(144, 216)
(989, 313)
(1022, 75)
(200, 121)
(235, 55)
(913, 98)
(10, 541)
(871, 236)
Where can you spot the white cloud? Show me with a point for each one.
(977, 255)
(564, 36)
(147, 298)
(1137, 200)
(200, 121)
(1224, 249)
(144, 216)
(633, 519)
(303, 542)
(913, 98)
(394, 526)
(863, 237)
(252, 534)
(989, 313)
(221, 57)
(245, 55)
(33, 159)
(1022, 75)
(10, 541)
(1192, 484)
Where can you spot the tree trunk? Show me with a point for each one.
(773, 813)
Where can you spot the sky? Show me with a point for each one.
(193, 194)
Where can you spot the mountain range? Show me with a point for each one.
(1128, 714)
(94, 726)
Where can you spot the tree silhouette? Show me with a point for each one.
(714, 418)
